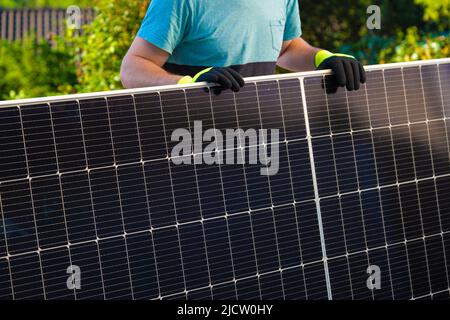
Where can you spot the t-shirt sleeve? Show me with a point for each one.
(293, 28)
(165, 23)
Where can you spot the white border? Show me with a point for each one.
(312, 164)
(101, 94)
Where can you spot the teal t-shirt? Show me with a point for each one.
(244, 34)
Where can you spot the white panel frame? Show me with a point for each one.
(113, 93)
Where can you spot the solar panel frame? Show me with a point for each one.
(106, 163)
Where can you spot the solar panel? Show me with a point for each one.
(91, 191)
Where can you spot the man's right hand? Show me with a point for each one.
(227, 78)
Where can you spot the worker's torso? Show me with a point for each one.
(247, 35)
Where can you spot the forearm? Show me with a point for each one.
(298, 56)
(138, 72)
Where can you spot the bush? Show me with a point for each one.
(100, 49)
(417, 47)
(417, 33)
(42, 3)
(437, 12)
(35, 68)
(340, 24)
(91, 61)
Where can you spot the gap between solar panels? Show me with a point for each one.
(94, 204)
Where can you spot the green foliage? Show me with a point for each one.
(436, 10)
(344, 30)
(31, 69)
(100, 49)
(43, 3)
(340, 24)
(411, 30)
(428, 40)
(416, 47)
(8, 3)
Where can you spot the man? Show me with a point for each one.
(222, 41)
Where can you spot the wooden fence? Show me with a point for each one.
(17, 23)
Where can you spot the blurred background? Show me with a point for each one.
(41, 56)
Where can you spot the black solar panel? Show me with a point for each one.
(89, 186)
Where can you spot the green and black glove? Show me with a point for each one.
(348, 72)
(227, 78)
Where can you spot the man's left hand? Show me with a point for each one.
(347, 71)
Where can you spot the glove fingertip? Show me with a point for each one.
(341, 76)
(362, 73)
(225, 82)
(237, 76)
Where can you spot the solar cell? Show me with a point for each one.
(90, 187)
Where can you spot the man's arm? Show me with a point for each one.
(297, 55)
(142, 66)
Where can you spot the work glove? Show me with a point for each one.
(226, 78)
(347, 71)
